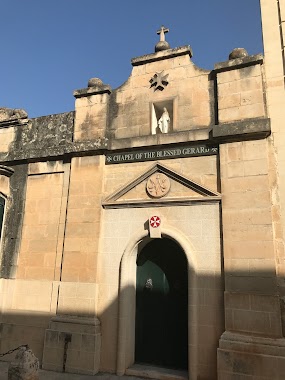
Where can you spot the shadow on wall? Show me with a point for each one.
(158, 323)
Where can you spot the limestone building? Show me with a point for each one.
(143, 232)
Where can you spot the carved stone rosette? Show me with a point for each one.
(158, 185)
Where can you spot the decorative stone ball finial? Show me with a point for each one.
(162, 44)
(95, 82)
(238, 53)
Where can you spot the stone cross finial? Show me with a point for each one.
(162, 32)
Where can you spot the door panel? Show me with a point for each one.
(161, 305)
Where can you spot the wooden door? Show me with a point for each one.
(161, 305)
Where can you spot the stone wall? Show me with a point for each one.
(251, 302)
(200, 225)
(188, 85)
(241, 94)
(68, 252)
(44, 221)
(273, 17)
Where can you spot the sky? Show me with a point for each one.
(49, 48)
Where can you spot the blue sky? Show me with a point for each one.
(51, 47)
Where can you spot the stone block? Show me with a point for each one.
(210, 315)
(237, 301)
(245, 184)
(251, 284)
(251, 111)
(83, 201)
(251, 97)
(243, 249)
(260, 216)
(51, 338)
(251, 321)
(77, 298)
(245, 365)
(82, 230)
(158, 66)
(7, 136)
(256, 167)
(140, 81)
(249, 233)
(236, 169)
(265, 303)
(81, 338)
(53, 356)
(229, 101)
(4, 185)
(25, 366)
(267, 267)
(251, 84)
(138, 70)
(228, 76)
(246, 200)
(201, 120)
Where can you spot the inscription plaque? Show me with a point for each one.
(160, 154)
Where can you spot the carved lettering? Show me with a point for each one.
(149, 155)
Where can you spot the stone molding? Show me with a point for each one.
(12, 116)
(76, 320)
(113, 200)
(95, 90)
(165, 54)
(248, 129)
(7, 172)
(265, 345)
(238, 63)
(250, 355)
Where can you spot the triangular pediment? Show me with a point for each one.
(157, 185)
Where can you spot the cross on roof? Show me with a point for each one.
(162, 32)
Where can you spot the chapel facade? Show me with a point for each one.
(143, 233)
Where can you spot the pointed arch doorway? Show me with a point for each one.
(161, 321)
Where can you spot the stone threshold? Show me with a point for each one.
(158, 373)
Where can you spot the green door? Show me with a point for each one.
(161, 305)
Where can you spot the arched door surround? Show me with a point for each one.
(127, 298)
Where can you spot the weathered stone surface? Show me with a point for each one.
(46, 131)
(162, 45)
(92, 90)
(24, 367)
(4, 170)
(42, 134)
(95, 82)
(242, 130)
(237, 62)
(238, 53)
(11, 115)
(170, 53)
(13, 221)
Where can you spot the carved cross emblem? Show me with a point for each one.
(158, 185)
(155, 221)
(159, 81)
